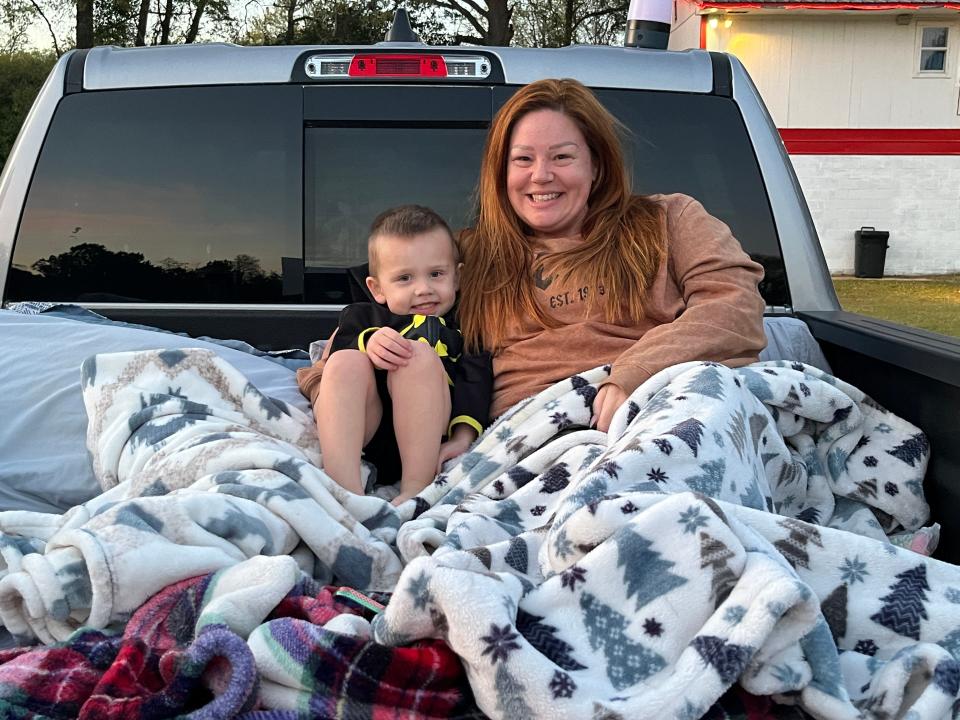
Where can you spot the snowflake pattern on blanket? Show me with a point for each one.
(730, 528)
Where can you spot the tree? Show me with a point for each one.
(715, 555)
(834, 608)
(84, 23)
(195, 21)
(93, 271)
(628, 662)
(247, 268)
(15, 20)
(489, 23)
(86, 259)
(646, 574)
(794, 546)
(558, 23)
(710, 481)
(17, 16)
(113, 24)
(143, 15)
(163, 22)
(708, 382)
(21, 75)
(903, 607)
(320, 22)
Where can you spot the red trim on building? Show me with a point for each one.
(706, 5)
(857, 141)
(703, 32)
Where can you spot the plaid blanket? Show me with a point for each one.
(186, 652)
(730, 528)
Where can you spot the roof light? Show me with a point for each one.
(648, 24)
(396, 65)
(328, 66)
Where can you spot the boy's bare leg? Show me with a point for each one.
(348, 412)
(421, 411)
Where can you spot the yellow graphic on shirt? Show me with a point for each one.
(439, 347)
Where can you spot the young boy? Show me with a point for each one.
(402, 357)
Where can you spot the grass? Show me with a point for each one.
(931, 303)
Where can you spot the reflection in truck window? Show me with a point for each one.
(181, 194)
(354, 173)
(669, 152)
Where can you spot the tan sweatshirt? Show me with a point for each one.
(703, 305)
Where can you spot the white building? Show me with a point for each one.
(867, 99)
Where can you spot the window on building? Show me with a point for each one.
(932, 49)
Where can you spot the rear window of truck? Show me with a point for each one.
(263, 194)
(698, 145)
(175, 195)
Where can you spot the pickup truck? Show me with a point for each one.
(225, 191)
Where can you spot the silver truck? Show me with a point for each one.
(222, 190)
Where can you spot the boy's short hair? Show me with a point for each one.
(405, 221)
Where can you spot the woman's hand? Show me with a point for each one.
(388, 349)
(605, 404)
(460, 440)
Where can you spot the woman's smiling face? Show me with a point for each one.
(549, 173)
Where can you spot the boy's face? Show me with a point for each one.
(416, 275)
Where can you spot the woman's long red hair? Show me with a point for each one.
(623, 234)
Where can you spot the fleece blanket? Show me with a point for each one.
(730, 528)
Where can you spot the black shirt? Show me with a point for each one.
(470, 375)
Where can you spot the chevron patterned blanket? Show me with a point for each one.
(730, 529)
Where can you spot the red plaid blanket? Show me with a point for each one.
(161, 668)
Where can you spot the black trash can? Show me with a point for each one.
(870, 252)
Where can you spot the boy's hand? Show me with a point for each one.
(460, 440)
(388, 349)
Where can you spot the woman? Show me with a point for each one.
(566, 270)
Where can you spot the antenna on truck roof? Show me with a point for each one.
(648, 24)
(400, 29)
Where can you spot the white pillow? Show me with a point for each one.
(44, 464)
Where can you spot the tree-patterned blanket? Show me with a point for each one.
(730, 528)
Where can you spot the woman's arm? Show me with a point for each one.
(723, 317)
